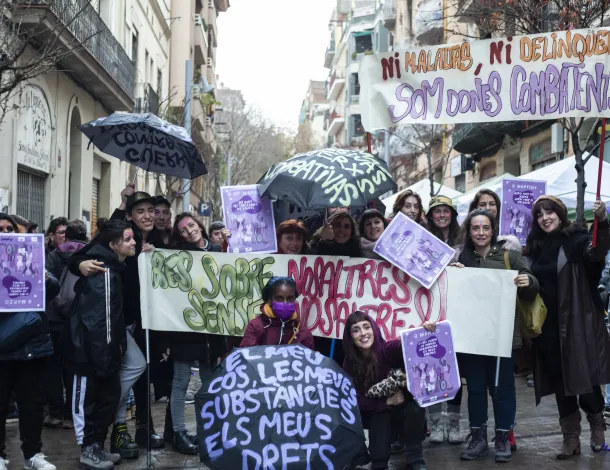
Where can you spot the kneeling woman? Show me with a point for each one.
(98, 342)
(483, 250)
(369, 360)
(278, 322)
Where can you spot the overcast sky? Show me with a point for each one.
(270, 49)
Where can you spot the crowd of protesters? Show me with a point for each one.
(91, 348)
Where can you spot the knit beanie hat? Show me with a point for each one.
(554, 199)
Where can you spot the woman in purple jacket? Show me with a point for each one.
(369, 360)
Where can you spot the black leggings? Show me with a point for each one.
(382, 428)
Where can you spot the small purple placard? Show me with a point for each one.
(250, 220)
(22, 259)
(518, 197)
(410, 247)
(433, 375)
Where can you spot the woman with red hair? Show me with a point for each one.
(291, 238)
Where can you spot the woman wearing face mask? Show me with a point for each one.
(339, 237)
(482, 249)
(572, 355)
(409, 203)
(278, 322)
(291, 238)
(369, 360)
(372, 225)
(97, 344)
(442, 223)
(186, 348)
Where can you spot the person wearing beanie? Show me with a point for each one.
(572, 354)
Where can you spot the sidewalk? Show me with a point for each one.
(537, 431)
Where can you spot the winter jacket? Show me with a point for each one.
(57, 260)
(40, 345)
(584, 342)
(495, 260)
(97, 326)
(262, 331)
(332, 248)
(366, 249)
(389, 356)
(189, 347)
(131, 279)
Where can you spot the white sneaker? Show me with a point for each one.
(39, 462)
(3, 464)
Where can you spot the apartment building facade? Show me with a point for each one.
(121, 58)
(314, 112)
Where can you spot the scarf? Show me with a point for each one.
(269, 313)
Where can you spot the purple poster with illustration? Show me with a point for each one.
(410, 247)
(250, 220)
(518, 197)
(22, 260)
(431, 365)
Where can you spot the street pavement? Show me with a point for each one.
(538, 436)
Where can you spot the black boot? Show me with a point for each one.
(477, 446)
(122, 443)
(503, 452)
(156, 441)
(183, 444)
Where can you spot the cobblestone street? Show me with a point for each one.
(537, 433)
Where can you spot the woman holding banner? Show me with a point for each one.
(186, 348)
(572, 355)
(443, 224)
(369, 359)
(291, 238)
(482, 249)
(279, 321)
(409, 203)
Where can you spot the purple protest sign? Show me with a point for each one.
(250, 220)
(410, 247)
(518, 197)
(22, 260)
(432, 370)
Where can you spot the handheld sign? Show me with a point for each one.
(22, 260)
(518, 197)
(431, 365)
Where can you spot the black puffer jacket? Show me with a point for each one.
(131, 279)
(97, 326)
(39, 345)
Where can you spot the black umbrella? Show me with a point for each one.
(327, 178)
(287, 406)
(147, 141)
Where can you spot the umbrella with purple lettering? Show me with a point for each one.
(148, 142)
(278, 407)
(327, 178)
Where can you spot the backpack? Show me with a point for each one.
(64, 299)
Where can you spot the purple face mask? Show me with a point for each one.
(283, 310)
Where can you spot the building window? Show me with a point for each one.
(357, 126)
(159, 84)
(540, 154)
(354, 84)
(488, 172)
(134, 47)
(30, 196)
(364, 42)
(460, 183)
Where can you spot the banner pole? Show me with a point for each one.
(599, 178)
(148, 404)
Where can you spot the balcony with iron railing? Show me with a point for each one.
(429, 25)
(330, 54)
(336, 123)
(147, 99)
(335, 85)
(389, 14)
(86, 49)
